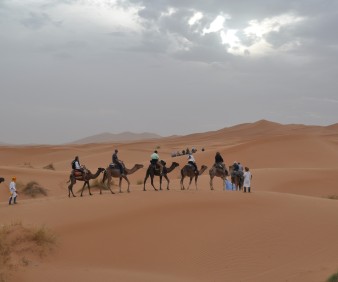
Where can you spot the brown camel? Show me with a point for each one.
(115, 172)
(76, 176)
(156, 172)
(236, 179)
(218, 171)
(189, 171)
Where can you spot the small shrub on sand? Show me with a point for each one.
(333, 197)
(139, 182)
(20, 245)
(50, 166)
(33, 189)
(333, 278)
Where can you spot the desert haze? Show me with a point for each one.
(285, 230)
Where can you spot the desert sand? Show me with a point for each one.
(285, 230)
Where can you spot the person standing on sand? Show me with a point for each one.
(247, 179)
(12, 190)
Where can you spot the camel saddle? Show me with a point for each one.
(112, 166)
(77, 173)
(219, 166)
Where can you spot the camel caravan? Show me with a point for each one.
(159, 168)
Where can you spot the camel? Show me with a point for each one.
(188, 170)
(218, 171)
(73, 177)
(2, 179)
(115, 172)
(236, 179)
(156, 172)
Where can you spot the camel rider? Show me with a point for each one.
(154, 160)
(219, 160)
(117, 162)
(235, 168)
(77, 167)
(191, 160)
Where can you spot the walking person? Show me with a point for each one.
(247, 180)
(12, 190)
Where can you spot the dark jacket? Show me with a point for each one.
(218, 159)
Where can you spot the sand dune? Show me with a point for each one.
(284, 231)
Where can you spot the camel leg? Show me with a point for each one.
(152, 182)
(120, 184)
(182, 185)
(125, 177)
(70, 186)
(211, 183)
(89, 188)
(196, 181)
(166, 177)
(144, 182)
(84, 185)
(108, 184)
(70, 189)
(189, 183)
(161, 182)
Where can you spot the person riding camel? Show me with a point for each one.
(235, 167)
(118, 162)
(191, 160)
(219, 162)
(78, 168)
(154, 160)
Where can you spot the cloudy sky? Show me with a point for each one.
(74, 68)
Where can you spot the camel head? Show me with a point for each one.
(138, 166)
(203, 168)
(2, 179)
(100, 169)
(175, 164)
